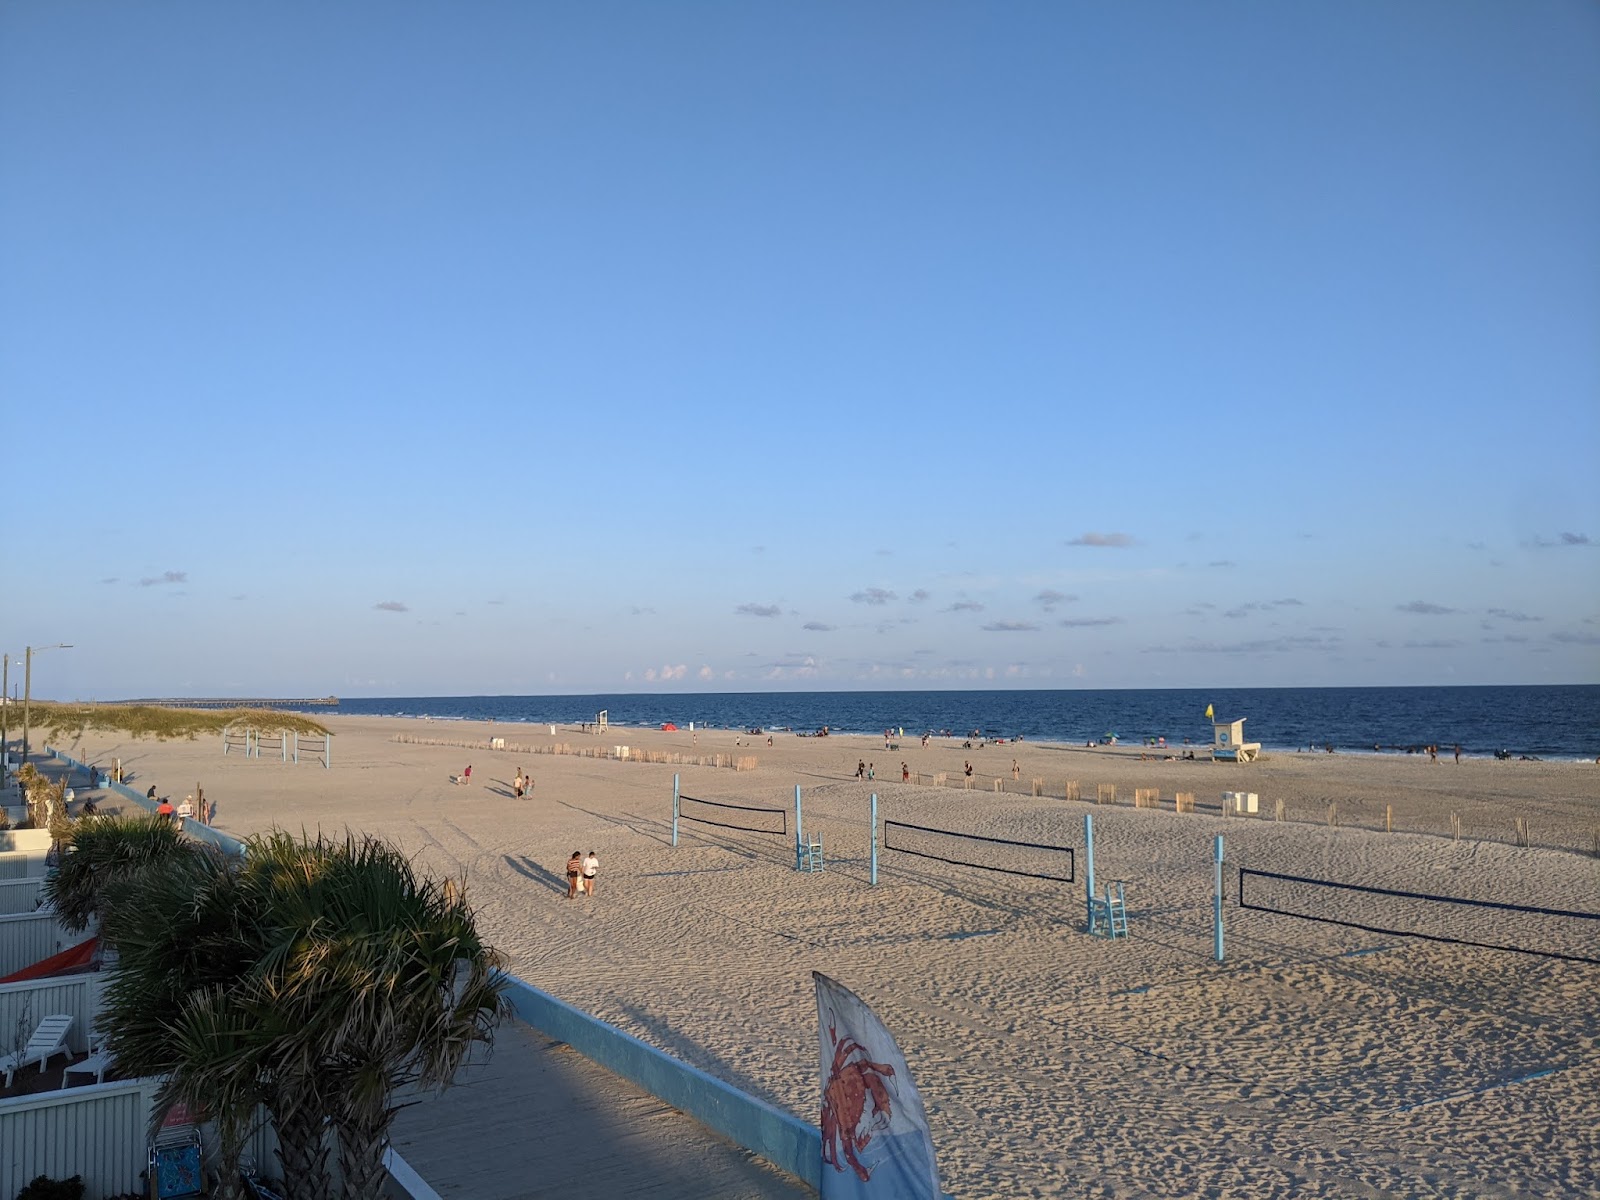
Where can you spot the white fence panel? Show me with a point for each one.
(22, 864)
(20, 895)
(97, 1132)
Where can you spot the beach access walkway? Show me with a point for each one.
(534, 1118)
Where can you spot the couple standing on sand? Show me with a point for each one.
(521, 785)
(581, 870)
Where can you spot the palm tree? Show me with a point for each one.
(105, 851)
(383, 976)
(186, 946)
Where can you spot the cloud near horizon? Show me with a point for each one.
(1101, 539)
(1010, 627)
(965, 606)
(165, 577)
(1049, 598)
(817, 627)
(758, 610)
(390, 606)
(874, 596)
(1424, 608)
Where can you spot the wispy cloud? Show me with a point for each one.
(1049, 598)
(390, 606)
(874, 596)
(1010, 627)
(1088, 622)
(965, 606)
(1507, 614)
(1575, 638)
(1424, 608)
(1101, 539)
(1565, 539)
(1282, 645)
(112, 579)
(1434, 644)
(919, 596)
(1222, 563)
(640, 611)
(165, 577)
(758, 610)
(817, 627)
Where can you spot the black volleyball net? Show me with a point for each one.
(1488, 924)
(1037, 860)
(734, 816)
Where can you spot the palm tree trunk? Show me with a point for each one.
(362, 1141)
(302, 1152)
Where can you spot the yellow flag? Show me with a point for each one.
(1210, 713)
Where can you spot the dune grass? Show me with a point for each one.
(71, 721)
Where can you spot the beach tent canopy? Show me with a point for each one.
(72, 961)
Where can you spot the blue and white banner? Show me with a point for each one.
(875, 1140)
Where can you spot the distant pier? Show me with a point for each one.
(235, 702)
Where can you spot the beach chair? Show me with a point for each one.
(48, 1040)
(811, 853)
(100, 1059)
(177, 1163)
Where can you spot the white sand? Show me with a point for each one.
(1319, 1061)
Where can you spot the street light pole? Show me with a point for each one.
(27, 690)
(5, 718)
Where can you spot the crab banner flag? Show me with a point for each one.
(875, 1141)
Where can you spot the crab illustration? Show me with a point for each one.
(847, 1125)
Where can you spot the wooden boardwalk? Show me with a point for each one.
(540, 1120)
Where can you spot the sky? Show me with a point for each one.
(497, 348)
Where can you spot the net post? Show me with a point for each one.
(327, 751)
(1217, 901)
(296, 736)
(799, 830)
(1088, 867)
(874, 839)
(674, 809)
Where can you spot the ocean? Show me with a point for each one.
(1541, 722)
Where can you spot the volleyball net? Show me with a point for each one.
(1036, 860)
(1487, 924)
(729, 816)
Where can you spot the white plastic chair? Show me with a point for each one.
(48, 1040)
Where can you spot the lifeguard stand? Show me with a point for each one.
(1228, 744)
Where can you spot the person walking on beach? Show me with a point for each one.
(574, 868)
(1016, 771)
(905, 773)
(968, 769)
(861, 768)
(1458, 754)
(516, 785)
(591, 868)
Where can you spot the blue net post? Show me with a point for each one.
(1088, 866)
(799, 831)
(874, 839)
(1216, 910)
(674, 810)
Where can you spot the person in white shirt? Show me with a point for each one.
(591, 866)
(186, 809)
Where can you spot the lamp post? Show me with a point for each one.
(5, 718)
(27, 689)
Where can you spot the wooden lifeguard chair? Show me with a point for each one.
(1228, 744)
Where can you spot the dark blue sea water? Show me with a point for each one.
(1547, 722)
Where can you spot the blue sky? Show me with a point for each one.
(388, 349)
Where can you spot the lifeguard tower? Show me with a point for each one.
(1228, 744)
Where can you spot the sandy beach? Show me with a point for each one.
(1318, 1060)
